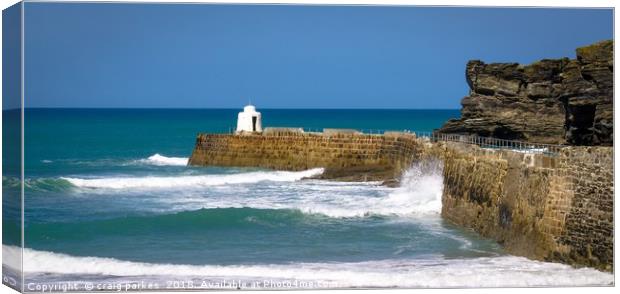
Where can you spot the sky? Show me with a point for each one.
(11, 57)
(222, 56)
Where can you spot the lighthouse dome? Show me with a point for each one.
(249, 108)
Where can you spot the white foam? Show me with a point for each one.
(419, 194)
(191, 181)
(160, 160)
(504, 271)
(12, 256)
(420, 191)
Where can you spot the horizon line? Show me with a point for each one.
(228, 108)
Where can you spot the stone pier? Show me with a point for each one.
(553, 207)
(345, 156)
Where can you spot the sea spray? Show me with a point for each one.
(418, 195)
(421, 188)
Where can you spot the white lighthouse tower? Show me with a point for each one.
(249, 120)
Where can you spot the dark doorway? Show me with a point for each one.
(580, 124)
(254, 123)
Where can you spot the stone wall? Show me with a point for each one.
(557, 101)
(588, 234)
(556, 208)
(354, 157)
(553, 208)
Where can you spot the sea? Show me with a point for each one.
(110, 204)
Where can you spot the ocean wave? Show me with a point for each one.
(154, 160)
(418, 196)
(11, 182)
(191, 181)
(421, 188)
(503, 271)
(37, 184)
(160, 160)
(197, 221)
(48, 184)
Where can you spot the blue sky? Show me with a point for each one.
(220, 56)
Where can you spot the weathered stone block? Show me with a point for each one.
(560, 210)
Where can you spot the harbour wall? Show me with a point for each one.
(552, 207)
(350, 157)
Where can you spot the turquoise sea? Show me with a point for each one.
(109, 198)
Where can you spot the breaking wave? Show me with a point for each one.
(189, 181)
(160, 160)
(37, 184)
(418, 195)
(504, 271)
(420, 190)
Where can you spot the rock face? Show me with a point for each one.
(556, 101)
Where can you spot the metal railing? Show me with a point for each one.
(313, 130)
(494, 143)
(483, 142)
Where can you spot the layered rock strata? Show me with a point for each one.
(557, 101)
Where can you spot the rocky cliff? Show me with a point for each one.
(558, 101)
